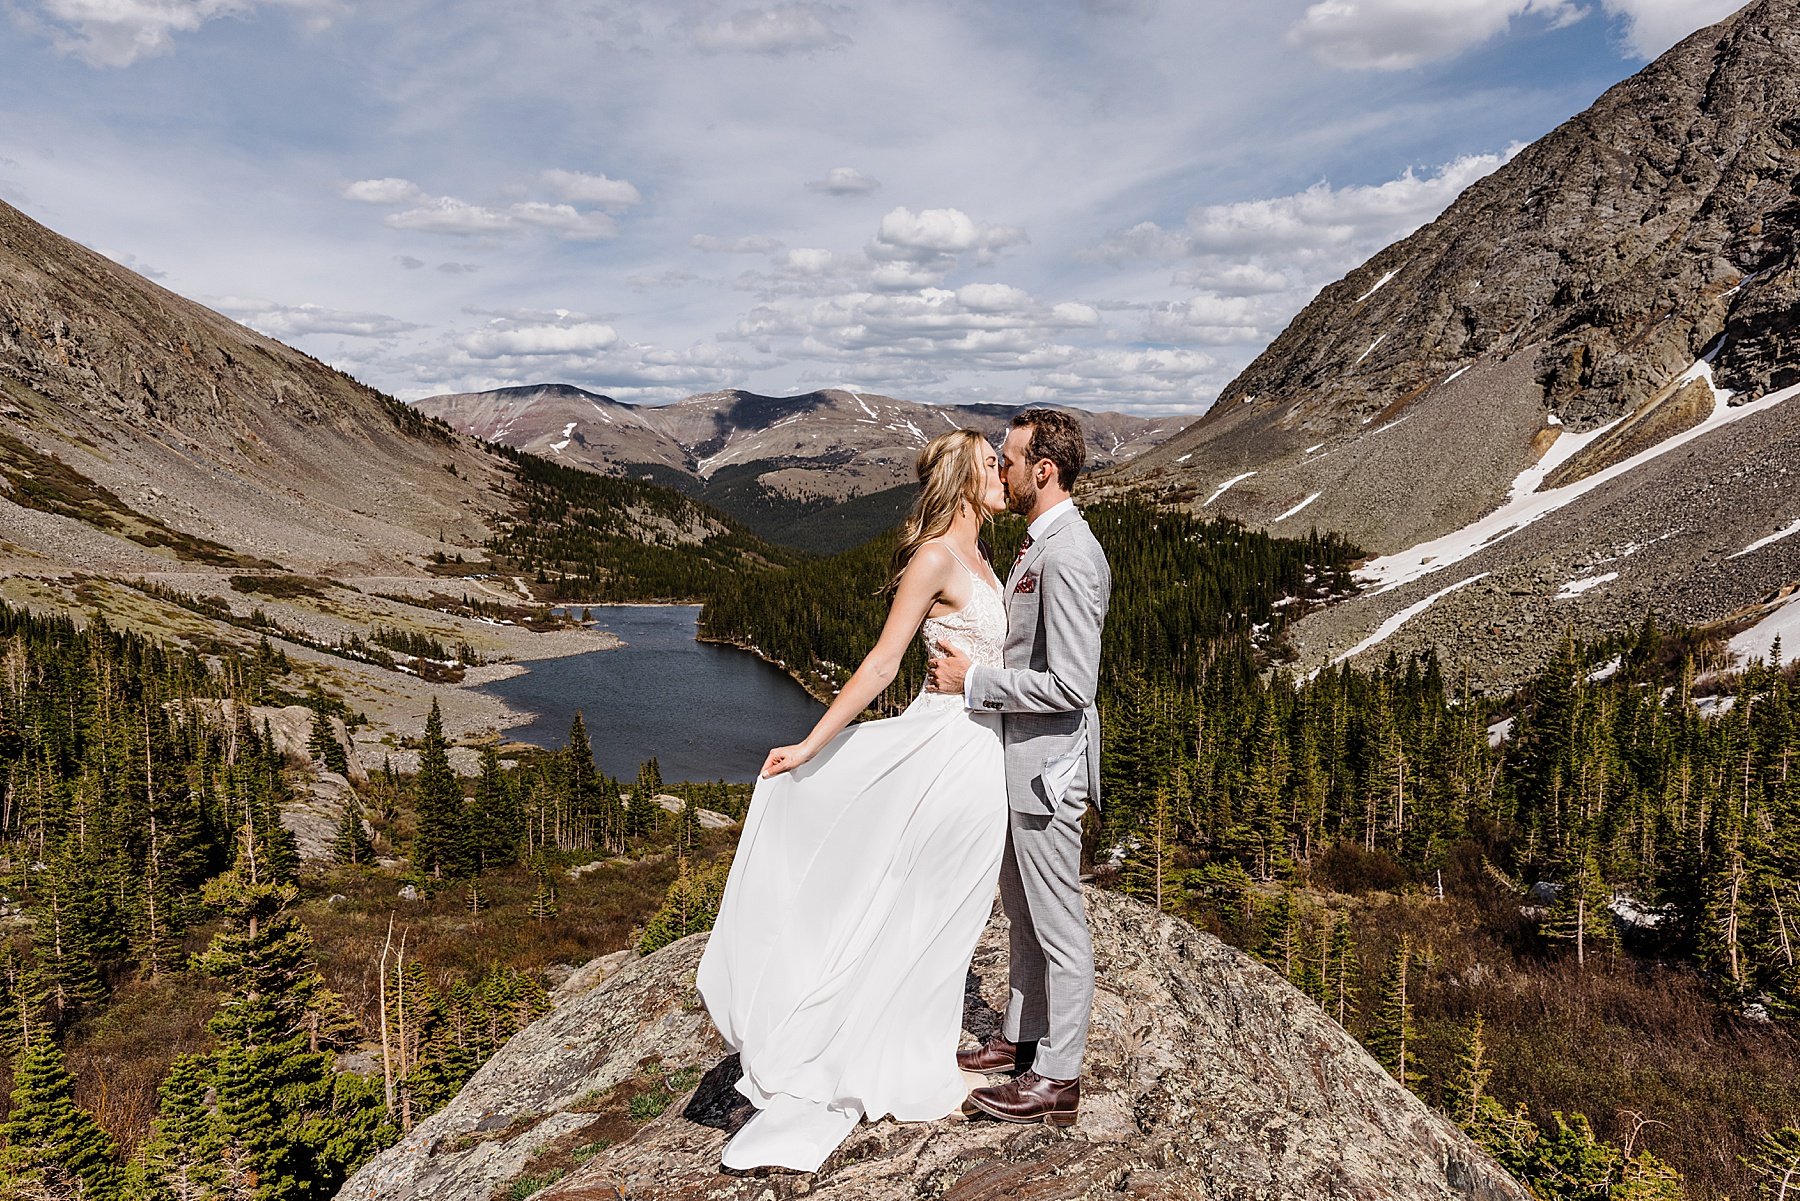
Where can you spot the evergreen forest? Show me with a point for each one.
(168, 1018)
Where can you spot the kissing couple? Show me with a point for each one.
(867, 864)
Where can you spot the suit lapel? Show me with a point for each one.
(1037, 549)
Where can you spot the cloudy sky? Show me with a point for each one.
(1113, 203)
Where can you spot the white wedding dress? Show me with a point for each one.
(861, 884)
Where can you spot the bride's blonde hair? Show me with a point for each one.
(949, 470)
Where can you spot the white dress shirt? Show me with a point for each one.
(1036, 530)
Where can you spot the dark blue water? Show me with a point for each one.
(706, 712)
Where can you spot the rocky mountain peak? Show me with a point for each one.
(1614, 251)
(1208, 1076)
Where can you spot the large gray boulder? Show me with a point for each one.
(1209, 1076)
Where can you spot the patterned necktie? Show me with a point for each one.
(1023, 547)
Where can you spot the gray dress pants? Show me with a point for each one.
(1051, 964)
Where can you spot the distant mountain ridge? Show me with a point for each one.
(1512, 401)
(782, 464)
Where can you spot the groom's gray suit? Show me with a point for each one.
(1057, 596)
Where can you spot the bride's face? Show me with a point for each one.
(993, 492)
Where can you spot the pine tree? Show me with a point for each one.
(1581, 915)
(69, 909)
(497, 824)
(24, 1001)
(54, 1148)
(276, 1026)
(690, 906)
(1283, 943)
(1473, 1107)
(1390, 1038)
(181, 1160)
(1775, 1165)
(542, 907)
(687, 824)
(1341, 971)
(644, 814)
(323, 743)
(584, 817)
(440, 847)
(352, 844)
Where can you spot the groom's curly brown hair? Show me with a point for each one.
(1055, 435)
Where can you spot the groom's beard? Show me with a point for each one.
(1020, 500)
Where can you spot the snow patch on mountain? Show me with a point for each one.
(1575, 588)
(1296, 509)
(1758, 642)
(1392, 625)
(1777, 536)
(1226, 487)
(1379, 285)
(1528, 502)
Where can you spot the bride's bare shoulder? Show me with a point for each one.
(931, 563)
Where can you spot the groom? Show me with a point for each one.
(1057, 596)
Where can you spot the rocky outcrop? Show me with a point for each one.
(1208, 1077)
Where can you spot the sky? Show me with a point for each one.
(1108, 203)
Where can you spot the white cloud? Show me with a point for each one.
(512, 339)
(1652, 26)
(751, 244)
(1332, 229)
(992, 298)
(809, 260)
(1155, 379)
(383, 191)
(1393, 35)
(582, 188)
(916, 340)
(1213, 320)
(844, 181)
(451, 217)
(116, 33)
(1254, 264)
(906, 236)
(409, 262)
(448, 215)
(299, 320)
(670, 277)
(564, 221)
(780, 29)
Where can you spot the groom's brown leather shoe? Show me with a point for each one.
(1031, 1098)
(998, 1054)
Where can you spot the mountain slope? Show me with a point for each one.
(782, 464)
(179, 419)
(141, 432)
(1542, 339)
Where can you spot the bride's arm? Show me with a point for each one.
(920, 587)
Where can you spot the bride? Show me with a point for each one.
(868, 862)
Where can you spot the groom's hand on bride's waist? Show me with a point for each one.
(947, 670)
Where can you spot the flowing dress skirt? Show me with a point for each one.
(837, 964)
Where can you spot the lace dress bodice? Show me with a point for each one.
(979, 628)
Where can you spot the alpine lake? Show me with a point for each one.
(705, 712)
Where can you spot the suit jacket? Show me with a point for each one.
(1056, 601)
